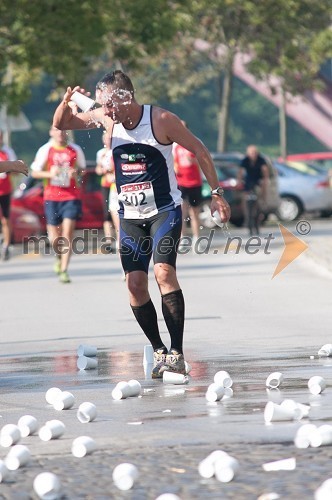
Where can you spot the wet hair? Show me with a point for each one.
(116, 79)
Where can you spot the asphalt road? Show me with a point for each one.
(237, 319)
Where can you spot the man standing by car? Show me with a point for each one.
(58, 162)
(254, 171)
(6, 154)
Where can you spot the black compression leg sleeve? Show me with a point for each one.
(147, 319)
(173, 311)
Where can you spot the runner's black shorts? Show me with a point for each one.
(5, 205)
(158, 236)
(105, 191)
(192, 195)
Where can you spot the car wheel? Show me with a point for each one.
(290, 208)
(205, 216)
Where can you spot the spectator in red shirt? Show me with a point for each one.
(58, 162)
(189, 180)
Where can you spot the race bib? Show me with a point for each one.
(138, 200)
(62, 179)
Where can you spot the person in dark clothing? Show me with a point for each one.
(254, 174)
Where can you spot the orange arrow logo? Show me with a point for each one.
(293, 249)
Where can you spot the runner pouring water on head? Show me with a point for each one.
(149, 201)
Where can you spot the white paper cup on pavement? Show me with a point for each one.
(324, 492)
(285, 464)
(87, 350)
(65, 401)
(17, 457)
(47, 486)
(53, 429)
(135, 387)
(52, 395)
(188, 367)
(303, 435)
(84, 102)
(174, 378)
(121, 391)
(86, 363)
(28, 425)
(87, 412)
(124, 476)
(10, 434)
(274, 380)
(206, 467)
(82, 446)
(168, 496)
(321, 436)
(223, 378)
(226, 468)
(300, 409)
(316, 384)
(3, 471)
(214, 392)
(148, 358)
(276, 413)
(325, 350)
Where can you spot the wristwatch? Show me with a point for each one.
(218, 191)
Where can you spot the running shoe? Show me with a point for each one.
(64, 278)
(159, 359)
(174, 362)
(57, 266)
(5, 253)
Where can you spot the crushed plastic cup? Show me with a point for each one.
(86, 363)
(276, 413)
(316, 385)
(124, 476)
(135, 388)
(53, 429)
(226, 468)
(148, 358)
(303, 436)
(47, 486)
(321, 436)
(18, 456)
(223, 378)
(121, 391)
(28, 425)
(10, 434)
(285, 464)
(175, 378)
(65, 401)
(325, 350)
(274, 380)
(214, 392)
(84, 102)
(82, 446)
(52, 395)
(87, 412)
(3, 471)
(217, 219)
(87, 350)
(206, 467)
(303, 410)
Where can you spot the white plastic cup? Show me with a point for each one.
(303, 435)
(17, 457)
(174, 378)
(86, 363)
(82, 446)
(226, 468)
(124, 476)
(285, 464)
(10, 434)
(274, 380)
(148, 358)
(121, 391)
(223, 378)
(321, 436)
(87, 350)
(206, 466)
(84, 102)
(28, 425)
(168, 496)
(276, 413)
(217, 219)
(3, 471)
(302, 410)
(316, 384)
(135, 387)
(52, 395)
(324, 492)
(47, 486)
(228, 392)
(325, 350)
(188, 367)
(65, 401)
(214, 393)
(53, 429)
(87, 412)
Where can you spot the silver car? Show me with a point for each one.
(302, 188)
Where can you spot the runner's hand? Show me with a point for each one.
(19, 167)
(220, 204)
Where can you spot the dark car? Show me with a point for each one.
(227, 167)
(29, 195)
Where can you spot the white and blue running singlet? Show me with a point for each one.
(144, 170)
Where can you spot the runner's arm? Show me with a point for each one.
(17, 166)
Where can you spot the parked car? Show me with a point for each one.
(29, 195)
(302, 188)
(323, 159)
(24, 224)
(227, 166)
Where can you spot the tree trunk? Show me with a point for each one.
(225, 100)
(283, 125)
